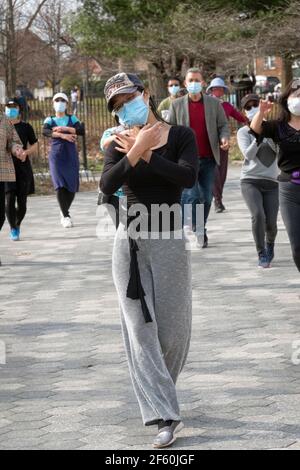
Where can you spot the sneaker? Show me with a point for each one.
(270, 251)
(66, 222)
(166, 433)
(263, 260)
(15, 234)
(219, 207)
(205, 241)
(202, 241)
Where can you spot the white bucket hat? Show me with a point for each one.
(60, 95)
(217, 82)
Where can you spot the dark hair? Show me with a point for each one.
(155, 111)
(174, 78)
(285, 114)
(117, 121)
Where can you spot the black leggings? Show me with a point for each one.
(65, 199)
(15, 213)
(2, 204)
(289, 195)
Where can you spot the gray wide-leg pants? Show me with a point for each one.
(156, 351)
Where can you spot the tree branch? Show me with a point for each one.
(35, 15)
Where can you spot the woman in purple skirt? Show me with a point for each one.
(63, 129)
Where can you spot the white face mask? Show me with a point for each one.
(294, 106)
(251, 113)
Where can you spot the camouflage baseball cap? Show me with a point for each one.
(120, 84)
(247, 98)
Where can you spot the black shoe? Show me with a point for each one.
(219, 207)
(205, 242)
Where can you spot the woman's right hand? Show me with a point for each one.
(148, 137)
(69, 137)
(265, 106)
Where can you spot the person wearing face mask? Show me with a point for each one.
(173, 90)
(10, 145)
(217, 89)
(63, 129)
(285, 132)
(259, 183)
(206, 116)
(17, 192)
(151, 266)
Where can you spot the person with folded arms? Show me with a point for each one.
(156, 307)
(63, 130)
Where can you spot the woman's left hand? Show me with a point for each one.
(62, 129)
(125, 142)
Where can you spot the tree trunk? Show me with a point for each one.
(287, 71)
(156, 81)
(11, 50)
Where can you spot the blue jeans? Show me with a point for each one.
(202, 191)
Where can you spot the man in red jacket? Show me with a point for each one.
(217, 88)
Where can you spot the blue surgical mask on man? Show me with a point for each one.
(133, 113)
(12, 113)
(174, 89)
(194, 88)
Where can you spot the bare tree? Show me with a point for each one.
(16, 15)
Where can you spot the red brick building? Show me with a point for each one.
(269, 65)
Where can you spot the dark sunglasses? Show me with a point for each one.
(250, 106)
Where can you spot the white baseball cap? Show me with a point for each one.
(60, 95)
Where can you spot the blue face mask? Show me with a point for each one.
(11, 113)
(60, 106)
(134, 113)
(194, 88)
(173, 90)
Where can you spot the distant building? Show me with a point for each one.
(272, 66)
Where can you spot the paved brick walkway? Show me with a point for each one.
(66, 384)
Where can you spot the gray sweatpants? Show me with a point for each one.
(156, 351)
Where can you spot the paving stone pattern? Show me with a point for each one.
(65, 384)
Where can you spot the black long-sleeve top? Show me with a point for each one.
(288, 140)
(171, 168)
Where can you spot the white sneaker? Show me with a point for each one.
(66, 222)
